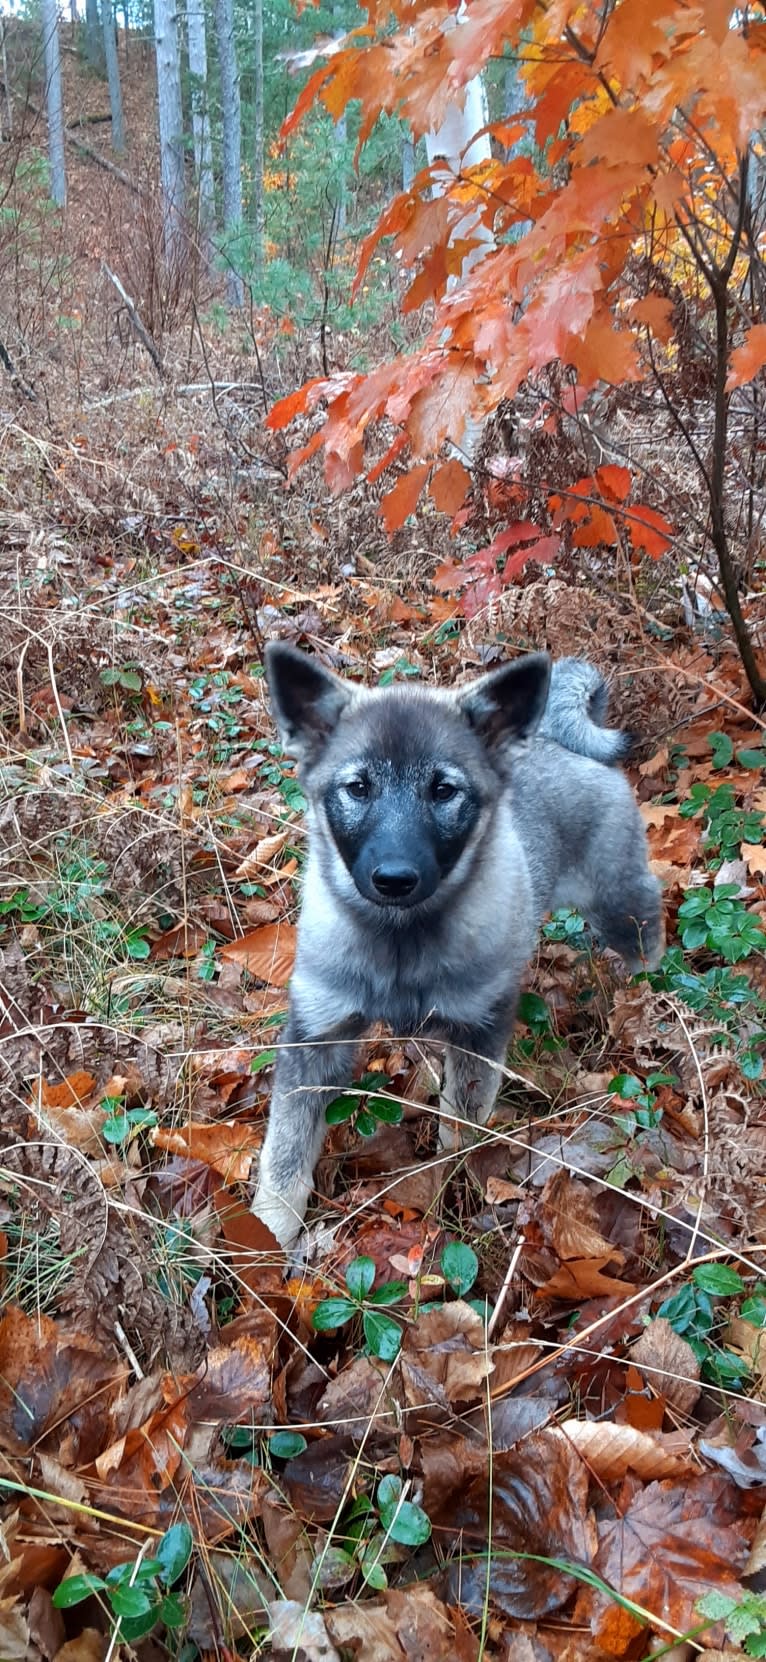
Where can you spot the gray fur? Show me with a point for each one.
(548, 825)
(575, 714)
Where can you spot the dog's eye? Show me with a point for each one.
(442, 790)
(358, 788)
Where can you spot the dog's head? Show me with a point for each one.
(402, 778)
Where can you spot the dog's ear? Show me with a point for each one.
(509, 702)
(307, 699)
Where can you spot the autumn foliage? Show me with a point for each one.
(620, 204)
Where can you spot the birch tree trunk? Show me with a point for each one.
(113, 75)
(259, 206)
(171, 130)
(456, 143)
(54, 100)
(203, 149)
(232, 138)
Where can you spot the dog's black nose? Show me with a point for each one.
(395, 882)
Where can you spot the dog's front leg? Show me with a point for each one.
(473, 1067)
(310, 1071)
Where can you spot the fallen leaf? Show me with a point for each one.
(233, 1383)
(53, 1382)
(754, 856)
(264, 853)
(584, 1278)
(448, 1347)
(297, 1632)
(569, 1216)
(267, 953)
(69, 1092)
(228, 1146)
(535, 1501)
(669, 1364)
(609, 1451)
(89, 1646)
(665, 1549)
(14, 1632)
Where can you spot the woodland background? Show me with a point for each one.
(421, 338)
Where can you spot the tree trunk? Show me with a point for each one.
(54, 100)
(94, 43)
(6, 79)
(113, 75)
(203, 149)
(408, 159)
(171, 130)
(232, 139)
(259, 213)
(457, 144)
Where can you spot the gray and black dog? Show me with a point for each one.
(443, 825)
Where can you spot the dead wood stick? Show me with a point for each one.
(139, 328)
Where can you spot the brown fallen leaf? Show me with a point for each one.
(233, 1383)
(668, 1546)
(669, 1364)
(316, 1479)
(46, 1624)
(54, 1383)
(754, 856)
(584, 1278)
(89, 1646)
(263, 854)
(535, 1501)
(411, 1625)
(448, 1346)
(361, 1393)
(267, 953)
(295, 1631)
(14, 1632)
(609, 1451)
(228, 1146)
(568, 1214)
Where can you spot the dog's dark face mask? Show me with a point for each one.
(404, 776)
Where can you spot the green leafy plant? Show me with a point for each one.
(727, 825)
(693, 1314)
(138, 1593)
(716, 919)
(382, 1334)
(629, 1088)
(744, 1619)
(367, 1109)
(121, 1123)
(125, 676)
(727, 1000)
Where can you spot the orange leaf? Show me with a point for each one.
(614, 481)
(285, 410)
(398, 503)
(268, 953)
(657, 313)
(747, 359)
(69, 1093)
(649, 531)
(226, 1145)
(449, 486)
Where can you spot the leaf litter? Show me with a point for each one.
(583, 1436)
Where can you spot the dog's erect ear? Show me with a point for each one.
(509, 702)
(307, 699)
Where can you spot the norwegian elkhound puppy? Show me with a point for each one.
(443, 825)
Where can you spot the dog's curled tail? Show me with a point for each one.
(576, 712)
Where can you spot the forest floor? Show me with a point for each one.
(554, 1343)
